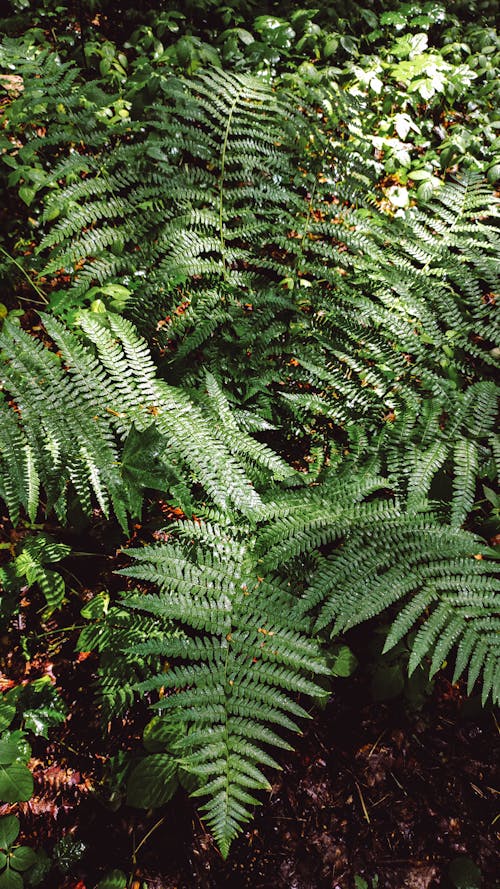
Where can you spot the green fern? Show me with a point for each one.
(111, 631)
(235, 670)
(442, 579)
(275, 310)
(71, 414)
(30, 568)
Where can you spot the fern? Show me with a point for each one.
(72, 414)
(111, 633)
(447, 589)
(236, 670)
(272, 309)
(29, 568)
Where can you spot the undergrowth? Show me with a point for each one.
(247, 318)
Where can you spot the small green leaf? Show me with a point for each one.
(494, 173)
(419, 174)
(331, 46)
(9, 830)
(10, 879)
(41, 719)
(27, 193)
(98, 306)
(118, 293)
(245, 36)
(344, 662)
(22, 858)
(490, 495)
(13, 747)
(7, 713)
(116, 879)
(349, 44)
(425, 190)
(464, 874)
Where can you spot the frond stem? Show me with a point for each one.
(221, 182)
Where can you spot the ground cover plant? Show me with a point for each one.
(248, 403)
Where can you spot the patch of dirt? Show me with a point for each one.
(371, 790)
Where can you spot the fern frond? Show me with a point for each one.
(240, 665)
(448, 585)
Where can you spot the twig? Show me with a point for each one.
(398, 783)
(145, 838)
(363, 804)
(376, 743)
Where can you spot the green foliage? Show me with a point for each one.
(16, 780)
(153, 781)
(243, 641)
(112, 632)
(16, 862)
(238, 661)
(448, 589)
(37, 705)
(280, 239)
(77, 417)
(29, 568)
(116, 879)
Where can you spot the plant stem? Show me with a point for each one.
(40, 292)
(221, 183)
(60, 630)
(145, 838)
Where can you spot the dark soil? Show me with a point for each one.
(370, 791)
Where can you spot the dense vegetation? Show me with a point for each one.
(250, 264)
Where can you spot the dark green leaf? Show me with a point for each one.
(22, 858)
(387, 682)
(153, 782)
(116, 879)
(9, 830)
(10, 879)
(16, 783)
(465, 874)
